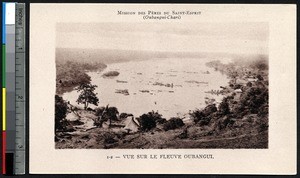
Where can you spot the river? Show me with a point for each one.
(171, 86)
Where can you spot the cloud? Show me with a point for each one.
(201, 37)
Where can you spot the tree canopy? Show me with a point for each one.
(61, 109)
(87, 95)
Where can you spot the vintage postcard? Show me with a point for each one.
(117, 88)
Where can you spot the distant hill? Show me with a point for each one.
(112, 56)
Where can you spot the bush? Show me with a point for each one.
(109, 138)
(224, 107)
(204, 115)
(105, 114)
(161, 121)
(148, 121)
(61, 109)
(99, 111)
(254, 98)
(197, 115)
(173, 123)
(208, 110)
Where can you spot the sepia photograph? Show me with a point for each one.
(135, 88)
(162, 85)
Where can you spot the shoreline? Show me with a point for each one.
(133, 85)
(223, 122)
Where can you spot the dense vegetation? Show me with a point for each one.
(247, 96)
(61, 109)
(173, 123)
(251, 78)
(71, 74)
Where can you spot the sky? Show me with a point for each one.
(237, 38)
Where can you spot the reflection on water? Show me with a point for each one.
(170, 86)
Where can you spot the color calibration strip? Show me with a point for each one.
(9, 90)
(3, 89)
(13, 88)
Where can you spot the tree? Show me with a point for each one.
(106, 113)
(148, 121)
(112, 113)
(173, 123)
(87, 95)
(61, 109)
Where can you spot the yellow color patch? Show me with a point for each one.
(3, 109)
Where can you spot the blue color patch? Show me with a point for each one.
(3, 23)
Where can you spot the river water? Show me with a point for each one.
(171, 86)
